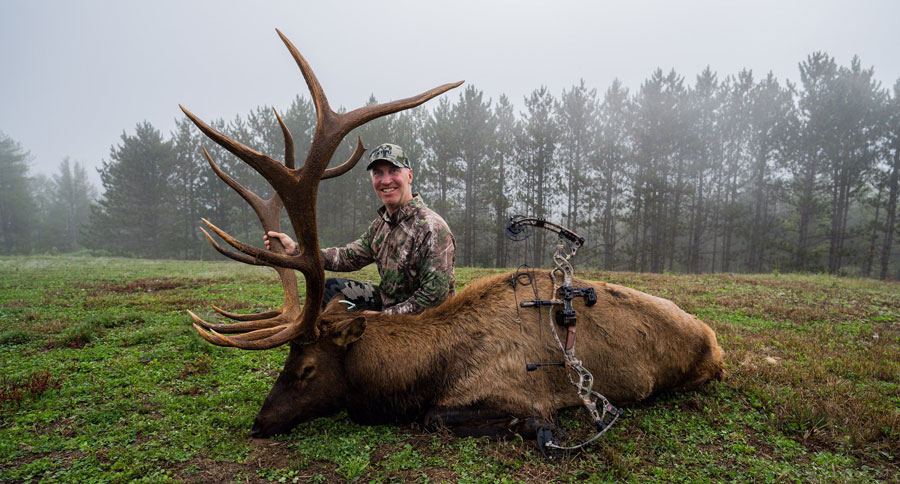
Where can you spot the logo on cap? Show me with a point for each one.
(390, 153)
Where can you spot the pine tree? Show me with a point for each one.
(17, 204)
(476, 129)
(133, 216)
(817, 74)
(537, 143)
(856, 100)
(499, 193)
(657, 179)
(441, 136)
(772, 123)
(71, 195)
(704, 152)
(190, 173)
(609, 167)
(577, 115)
(893, 178)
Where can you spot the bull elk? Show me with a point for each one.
(461, 363)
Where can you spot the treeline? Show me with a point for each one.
(41, 214)
(734, 174)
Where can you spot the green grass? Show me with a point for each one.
(102, 379)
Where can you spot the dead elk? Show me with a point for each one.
(462, 363)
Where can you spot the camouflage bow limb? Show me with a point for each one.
(607, 414)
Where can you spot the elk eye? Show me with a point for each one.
(307, 372)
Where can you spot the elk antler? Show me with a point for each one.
(296, 190)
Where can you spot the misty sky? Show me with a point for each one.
(76, 74)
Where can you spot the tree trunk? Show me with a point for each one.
(870, 254)
(697, 228)
(890, 219)
(754, 251)
(609, 232)
(469, 214)
(805, 206)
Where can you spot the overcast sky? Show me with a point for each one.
(75, 74)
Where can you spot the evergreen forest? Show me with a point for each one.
(742, 173)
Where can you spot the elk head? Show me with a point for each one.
(296, 191)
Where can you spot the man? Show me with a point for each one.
(411, 245)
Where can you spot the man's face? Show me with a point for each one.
(392, 184)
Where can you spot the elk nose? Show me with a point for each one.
(257, 431)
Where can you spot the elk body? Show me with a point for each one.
(462, 363)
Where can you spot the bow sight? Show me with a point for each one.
(598, 407)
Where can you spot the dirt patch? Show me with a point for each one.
(65, 456)
(198, 366)
(265, 455)
(50, 326)
(173, 300)
(143, 285)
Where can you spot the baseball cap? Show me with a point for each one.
(388, 152)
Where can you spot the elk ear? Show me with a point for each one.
(347, 331)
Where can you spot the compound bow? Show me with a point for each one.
(603, 413)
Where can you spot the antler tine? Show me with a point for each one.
(246, 317)
(288, 142)
(262, 339)
(210, 337)
(274, 172)
(269, 257)
(325, 141)
(267, 211)
(362, 115)
(347, 165)
(291, 310)
(246, 259)
(256, 335)
(241, 327)
(253, 199)
(235, 327)
(315, 89)
(328, 132)
(256, 340)
(326, 137)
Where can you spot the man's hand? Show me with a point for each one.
(289, 245)
(370, 313)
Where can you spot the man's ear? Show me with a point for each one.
(347, 331)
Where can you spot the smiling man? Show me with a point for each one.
(412, 246)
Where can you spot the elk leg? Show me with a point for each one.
(475, 421)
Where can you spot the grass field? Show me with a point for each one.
(102, 379)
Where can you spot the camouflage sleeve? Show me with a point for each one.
(436, 273)
(351, 257)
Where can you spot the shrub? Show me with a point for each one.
(15, 337)
(77, 336)
(17, 389)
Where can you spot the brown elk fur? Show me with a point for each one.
(469, 354)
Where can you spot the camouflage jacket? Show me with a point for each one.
(415, 254)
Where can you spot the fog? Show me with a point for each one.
(75, 75)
